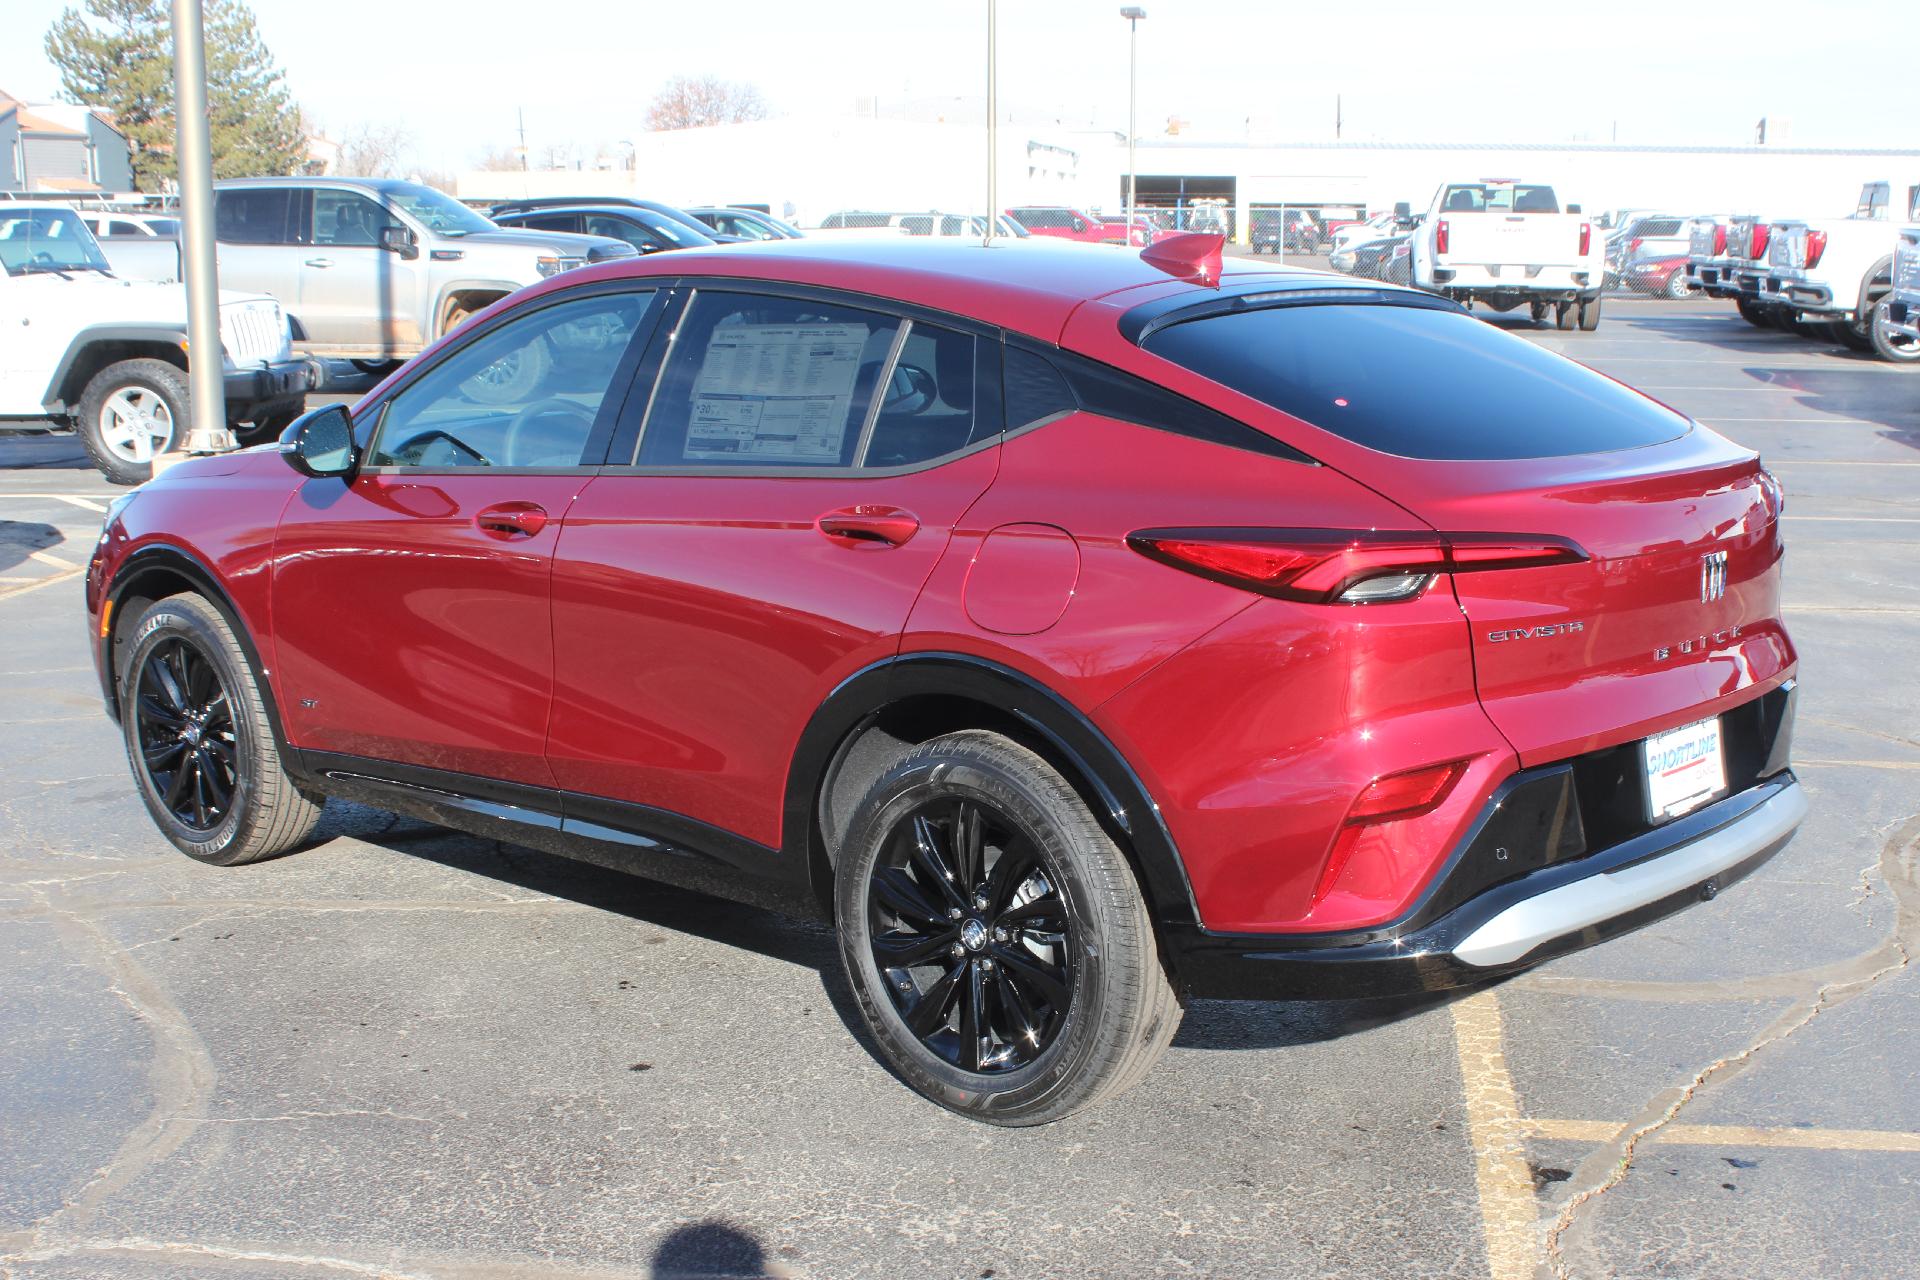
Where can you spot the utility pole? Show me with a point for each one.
(206, 384)
(1337, 121)
(523, 139)
(1132, 13)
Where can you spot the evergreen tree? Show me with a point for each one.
(118, 55)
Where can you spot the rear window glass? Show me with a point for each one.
(1417, 382)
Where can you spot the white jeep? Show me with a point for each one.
(108, 357)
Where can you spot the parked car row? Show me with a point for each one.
(1853, 279)
(371, 271)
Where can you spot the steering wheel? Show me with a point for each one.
(416, 446)
(573, 420)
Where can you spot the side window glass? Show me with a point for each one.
(245, 215)
(620, 229)
(550, 222)
(347, 218)
(758, 381)
(1034, 389)
(523, 395)
(927, 403)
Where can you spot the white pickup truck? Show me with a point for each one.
(1838, 269)
(1504, 243)
(1896, 321)
(108, 356)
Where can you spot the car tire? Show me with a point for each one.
(1565, 316)
(268, 424)
(1755, 313)
(1887, 344)
(1590, 314)
(381, 368)
(189, 699)
(122, 413)
(1677, 286)
(1036, 989)
(1849, 335)
(1539, 310)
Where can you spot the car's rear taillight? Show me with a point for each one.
(1331, 566)
(1719, 240)
(1441, 236)
(1586, 238)
(1634, 245)
(1757, 240)
(1393, 798)
(1816, 245)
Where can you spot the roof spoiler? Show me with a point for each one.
(1189, 255)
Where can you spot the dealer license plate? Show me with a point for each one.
(1685, 769)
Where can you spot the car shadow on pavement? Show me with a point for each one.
(19, 539)
(810, 943)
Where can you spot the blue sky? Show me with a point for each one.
(454, 75)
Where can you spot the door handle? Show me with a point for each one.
(884, 526)
(319, 262)
(511, 519)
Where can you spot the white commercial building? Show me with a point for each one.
(807, 167)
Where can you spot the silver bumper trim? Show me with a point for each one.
(1515, 932)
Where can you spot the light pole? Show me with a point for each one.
(1132, 13)
(206, 430)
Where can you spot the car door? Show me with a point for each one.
(768, 536)
(355, 294)
(411, 605)
(258, 231)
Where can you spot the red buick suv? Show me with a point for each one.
(1084, 631)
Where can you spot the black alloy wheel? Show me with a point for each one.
(971, 935)
(199, 738)
(994, 935)
(189, 748)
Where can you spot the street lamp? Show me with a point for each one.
(1132, 13)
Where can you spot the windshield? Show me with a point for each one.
(439, 212)
(38, 240)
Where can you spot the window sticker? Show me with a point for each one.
(782, 392)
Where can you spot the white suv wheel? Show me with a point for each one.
(135, 423)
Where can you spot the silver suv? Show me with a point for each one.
(370, 269)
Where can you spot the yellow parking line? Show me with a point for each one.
(48, 558)
(1508, 1212)
(1732, 1135)
(1864, 764)
(47, 581)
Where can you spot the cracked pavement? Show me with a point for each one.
(411, 1053)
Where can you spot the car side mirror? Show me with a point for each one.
(399, 240)
(320, 443)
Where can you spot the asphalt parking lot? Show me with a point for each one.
(416, 1054)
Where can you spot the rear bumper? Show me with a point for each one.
(1712, 277)
(1515, 925)
(1487, 279)
(1562, 856)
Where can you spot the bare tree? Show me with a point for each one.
(498, 160)
(376, 151)
(688, 102)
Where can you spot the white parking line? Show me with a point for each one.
(78, 500)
